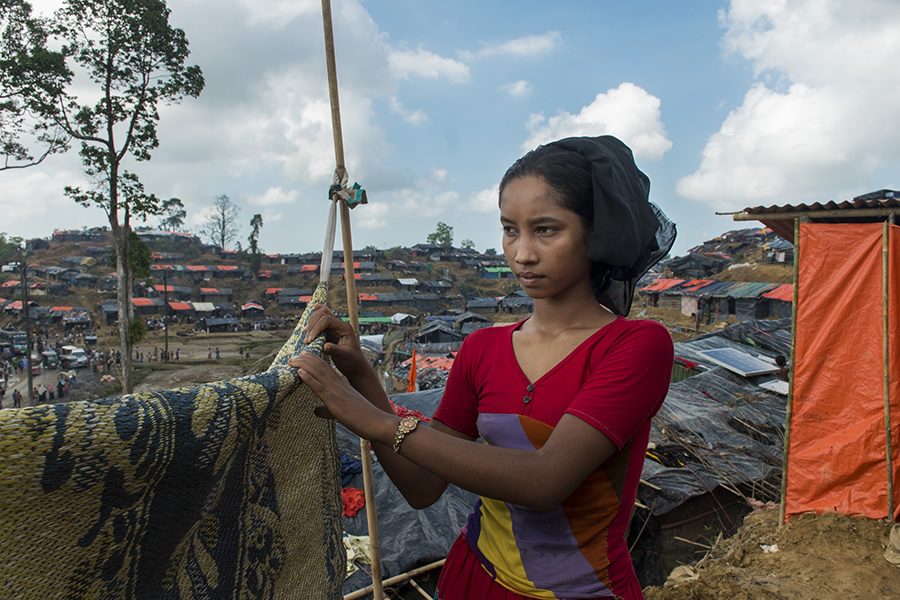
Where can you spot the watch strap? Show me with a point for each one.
(407, 425)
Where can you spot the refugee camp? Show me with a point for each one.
(459, 301)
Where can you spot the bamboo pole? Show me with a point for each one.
(350, 286)
(885, 348)
(790, 398)
(397, 579)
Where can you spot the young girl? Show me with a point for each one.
(562, 400)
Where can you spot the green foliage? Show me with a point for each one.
(138, 256)
(490, 252)
(129, 59)
(468, 244)
(256, 224)
(30, 76)
(173, 214)
(442, 236)
(9, 248)
(137, 331)
(127, 193)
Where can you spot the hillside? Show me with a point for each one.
(743, 255)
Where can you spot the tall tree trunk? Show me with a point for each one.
(120, 239)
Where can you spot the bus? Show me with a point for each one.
(16, 341)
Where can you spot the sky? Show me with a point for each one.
(726, 105)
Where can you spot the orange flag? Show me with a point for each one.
(412, 374)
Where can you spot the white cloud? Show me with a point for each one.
(290, 125)
(413, 117)
(437, 176)
(274, 196)
(627, 112)
(278, 13)
(33, 197)
(485, 201)
(427, 65)
(373, 215)
(517, 89)
(820, 120)
(531, 45)
(271, 216)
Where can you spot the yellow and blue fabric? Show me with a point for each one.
(223, 490)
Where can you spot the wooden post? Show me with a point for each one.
(350, 287)
(790, 398)
(888, 441)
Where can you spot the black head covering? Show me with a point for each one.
(630, 233)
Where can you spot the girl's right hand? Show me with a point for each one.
(341, 342)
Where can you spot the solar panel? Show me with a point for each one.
(739, 362)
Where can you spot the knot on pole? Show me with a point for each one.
(354, 195)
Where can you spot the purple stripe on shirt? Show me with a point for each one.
(550, 554)
(504, 431)
(548, 549)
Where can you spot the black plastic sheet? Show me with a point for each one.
(408, 538)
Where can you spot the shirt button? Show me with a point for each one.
(526, 399)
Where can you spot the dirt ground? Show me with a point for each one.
(817, 558)
(194, 365)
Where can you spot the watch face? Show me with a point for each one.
(408, 423)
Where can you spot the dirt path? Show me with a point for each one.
(818, 558)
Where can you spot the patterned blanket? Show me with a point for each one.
(224, 490)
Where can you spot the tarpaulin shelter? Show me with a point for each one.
(843, 418)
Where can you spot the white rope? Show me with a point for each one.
(328, 249)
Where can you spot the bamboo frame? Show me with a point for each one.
(888, 441)
(350, 286)
(790, 399)
(397, 579)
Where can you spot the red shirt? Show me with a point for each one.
(616, 380)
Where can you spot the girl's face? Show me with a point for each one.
(545, 243)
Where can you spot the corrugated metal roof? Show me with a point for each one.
(879, 199)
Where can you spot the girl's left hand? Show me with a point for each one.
(342, 402)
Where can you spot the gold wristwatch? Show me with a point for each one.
(407, 425)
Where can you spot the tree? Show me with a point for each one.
(490, 252)
(256, 224)
(173, 214)
(9, 248)
(30, 78)
(221, 224)
(135, 60)
(467, 244)
(442, 236)
(138, 256)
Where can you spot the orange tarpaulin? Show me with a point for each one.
(837, 457)
(662, 284)
(412, 374)
(783, 292)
